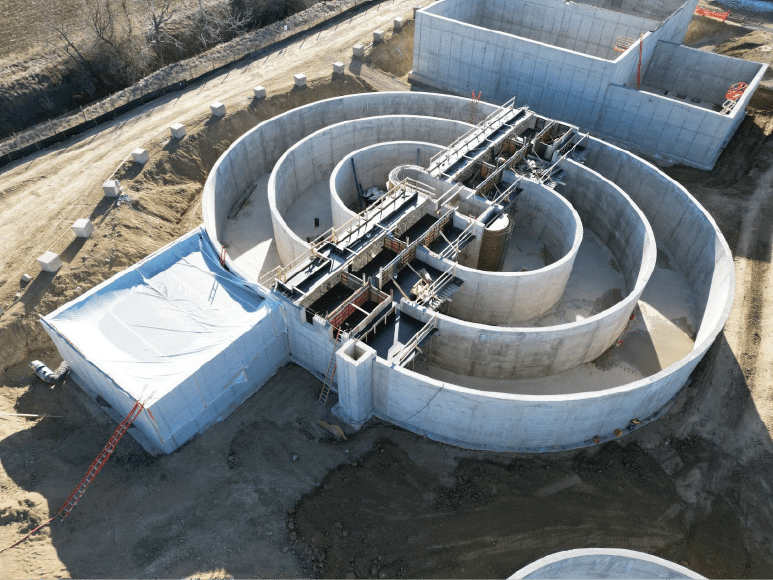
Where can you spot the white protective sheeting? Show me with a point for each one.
(178, 326)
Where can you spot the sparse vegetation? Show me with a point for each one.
(111, 44)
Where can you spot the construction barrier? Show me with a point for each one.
(721, 16)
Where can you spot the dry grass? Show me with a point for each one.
(39, 89)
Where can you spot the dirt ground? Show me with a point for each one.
(692, 487)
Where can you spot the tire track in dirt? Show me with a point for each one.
(754, 282)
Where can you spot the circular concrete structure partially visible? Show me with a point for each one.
(521, 360)
(374, 166)
(603, 563)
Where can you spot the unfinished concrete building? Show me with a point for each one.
(509, 285)
(615, 68)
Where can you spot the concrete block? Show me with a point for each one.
(358, 51)
(112, 188)
(83, 228)
(178, 131)
(50, 262)
(378, 36)
(338, 68)
(300, 80)
(399, 23)
(218, 109)
(140, 156)
(259, 92)
(26, 278)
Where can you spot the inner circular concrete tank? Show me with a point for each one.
(568, 375)
(374, 166)
(603, 563)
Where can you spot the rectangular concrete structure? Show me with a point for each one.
(399, 23)
(218, 109)
(338, 68)
(378, 36)
(140, 156)
(83, 228)
(259, 92)
(200, 351)
(559, 59)
(299, 80)
(112, 188)
(358, 51)
(50, 262)
(177, 130)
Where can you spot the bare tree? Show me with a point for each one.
(159, 14)
(216, 22)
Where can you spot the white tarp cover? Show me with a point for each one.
(179, 326)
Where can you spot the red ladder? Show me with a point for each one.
(100, 461)
(95, 468)
(331, 371)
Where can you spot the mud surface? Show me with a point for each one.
(268, 492)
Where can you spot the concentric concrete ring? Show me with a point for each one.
(632, 206)
(528, 294)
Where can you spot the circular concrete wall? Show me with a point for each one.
(496, 352)
(507, 298)
(466, 416)
(312, 159)
(373, 165)
(603, 563)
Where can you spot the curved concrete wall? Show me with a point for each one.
(530, 423)
(312, 160)
(476, 419)
(496, 352)
(683, 227)
(255, 153)
(603, 563)
(373, 164)
(507, 298)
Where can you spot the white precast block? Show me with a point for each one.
(26, 278)
(358, 51)
(259, 92)
(218, 109)
(300, 80)
(338, 68)
(83, 228)
(378, 36)
(178, 131)
(140, 156)
(50, 262)
(399, 23)
(112, 188)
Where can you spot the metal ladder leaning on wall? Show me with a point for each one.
(331, 371)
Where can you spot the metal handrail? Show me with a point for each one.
(414, 342)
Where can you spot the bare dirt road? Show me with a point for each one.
(692, 487)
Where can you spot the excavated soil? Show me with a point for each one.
(268, 492)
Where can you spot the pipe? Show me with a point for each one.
(48, 376)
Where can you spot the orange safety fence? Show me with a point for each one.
(736, 91)
(721, 16)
